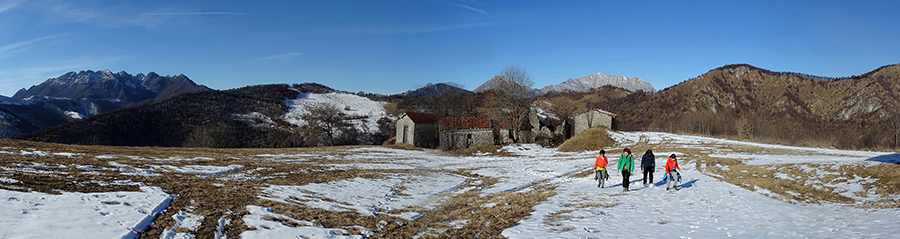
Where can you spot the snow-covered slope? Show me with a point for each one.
(597, 81)
(79, 215)
(353, 105)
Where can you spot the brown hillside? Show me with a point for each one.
(779, 107)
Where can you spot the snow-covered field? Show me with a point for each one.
(403, 193)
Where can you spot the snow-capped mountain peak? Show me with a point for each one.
(599, 80)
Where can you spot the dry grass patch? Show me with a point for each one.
(590, 140)
(402, 146)
(479, 151)
(810, 183)
(204, 195)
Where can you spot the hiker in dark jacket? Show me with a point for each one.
(648, 165)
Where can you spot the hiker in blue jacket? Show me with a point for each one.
(648, 165)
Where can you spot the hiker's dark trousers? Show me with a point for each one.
(648, 175)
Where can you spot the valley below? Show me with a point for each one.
(729, 188)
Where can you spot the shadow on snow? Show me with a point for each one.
(889, 158)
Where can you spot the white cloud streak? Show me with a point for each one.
(7, 50)
(464, 6)
(112, 17)
(288, 55)
(398, 30)
(190, 13)
(6, 6)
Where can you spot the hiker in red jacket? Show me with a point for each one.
(671, 172)
(601, 175)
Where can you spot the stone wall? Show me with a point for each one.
(465, 138)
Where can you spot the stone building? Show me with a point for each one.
(592, 118)
(461, 133)
(418, 129)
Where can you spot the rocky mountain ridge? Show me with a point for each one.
(748, 102)
(583, 84)
(77, 95)
(106, 85)
(599, 80)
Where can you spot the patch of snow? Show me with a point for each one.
(9, 180)
(258, 219)
(34, 153)
(256, 119)
(170, 159)
(199, 169)
(67, 155)
(74, 115)
(220, 227)
(783, 176)
(99, 215)
(368, 196)
(458, 224)
(182, 220)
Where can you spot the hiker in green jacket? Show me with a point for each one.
(626, 166)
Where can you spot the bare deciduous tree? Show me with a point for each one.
(563, 107)
(513, 96)
(326, 118)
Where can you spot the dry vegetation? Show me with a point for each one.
(480, 150)
(591, 140)
(466, 214)
(199, 194)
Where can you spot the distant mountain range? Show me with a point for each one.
(599, 80)
(248, 117)
(735, 101)
(78, 95)
(124, 88)
(584, 84)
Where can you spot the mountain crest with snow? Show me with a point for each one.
(599, 80)
(106, 85)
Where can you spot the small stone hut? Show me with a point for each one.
(418, 129)
(592, 118)
(461, 133)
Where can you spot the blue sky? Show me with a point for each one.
(392, 46)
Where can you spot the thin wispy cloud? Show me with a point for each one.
(7, 50)
(289, 55)
(464, 6)
(116, 17)
(399, 30)
(7, 5)
(191, 13)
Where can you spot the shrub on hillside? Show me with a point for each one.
(589, 140)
